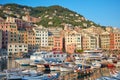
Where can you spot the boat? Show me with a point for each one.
(55, 67)
(79, 60)
(96, 64)
(93, 54)
(118, 64)
(67, 66)
(40, 66)
(23, 62)
(58, 55)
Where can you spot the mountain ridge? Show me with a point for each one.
(51, 16)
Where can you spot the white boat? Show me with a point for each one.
(79, 60)
(40, 66)
(23, 62)
(93, 54)
(96, 64)
(118, 64)
(67, 67)
(58, 55)
(55, 67)
(38, 56)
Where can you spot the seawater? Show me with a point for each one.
(10, 63)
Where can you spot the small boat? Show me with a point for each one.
(40, 66)
(110, 65)
(96, 64)
(118, 64)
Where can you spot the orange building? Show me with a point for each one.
(112, 41)
(31, 39)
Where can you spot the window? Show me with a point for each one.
(20, 49)
(50, 56)
(10, 45)
(20, 46)
(25, 49)
(57, 55)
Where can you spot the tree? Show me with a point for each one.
(79, 51)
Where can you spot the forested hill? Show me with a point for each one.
(54, 16)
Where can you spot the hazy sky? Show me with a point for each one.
(103, 12)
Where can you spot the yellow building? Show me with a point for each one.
(73, 38)
(23, 36)
(51, 42)
(89, 42)
(105, 40)
(31, 39)
(13, 34)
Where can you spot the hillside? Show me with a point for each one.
(54, 16)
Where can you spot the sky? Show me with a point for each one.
(103, 12)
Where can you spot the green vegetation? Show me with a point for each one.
(52, 16)
(79, 51)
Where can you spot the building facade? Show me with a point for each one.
(41, 37)
(58, 43)
(0, 39)
(73, 38)
(115, 41)
(17, 48)
(105, 40)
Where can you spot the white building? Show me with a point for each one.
(41, 37)
(15, 48)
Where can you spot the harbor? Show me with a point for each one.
(60, 68)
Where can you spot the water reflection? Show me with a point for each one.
(10, 63)
(3, 63)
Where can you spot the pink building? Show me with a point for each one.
(20, 23)
(58, 43)
(29, 18)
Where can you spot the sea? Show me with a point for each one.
(10, 63)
